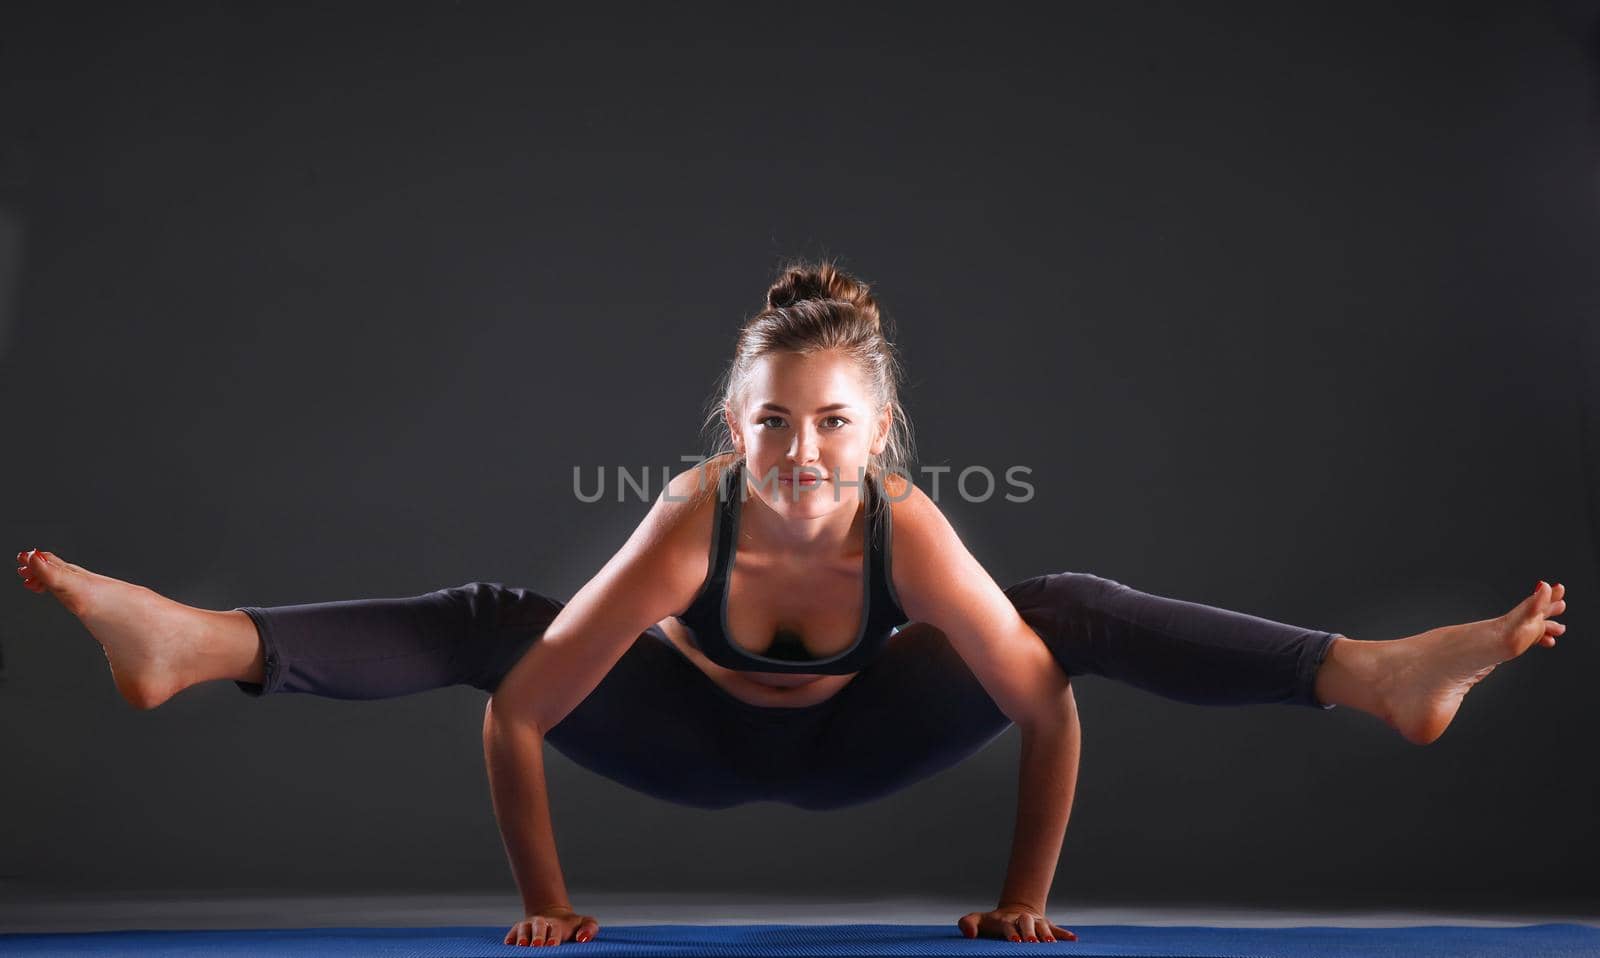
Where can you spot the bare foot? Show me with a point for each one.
(1431, 672)
(149, 639)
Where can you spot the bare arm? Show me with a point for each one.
(513, 752)
(939, 582)
(653, 575)
(1047, 780)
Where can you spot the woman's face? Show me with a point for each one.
(807, 430)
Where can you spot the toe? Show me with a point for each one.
(1532, 605)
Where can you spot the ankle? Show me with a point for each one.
(1356, 674)
(228, 647)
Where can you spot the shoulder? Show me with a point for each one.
(684, 514)
(914, 516)
(927, 555)
(691, 494)
(665, 560)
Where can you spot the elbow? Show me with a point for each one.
(1053, 710)
(505, 717)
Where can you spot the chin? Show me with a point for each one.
(789, 499)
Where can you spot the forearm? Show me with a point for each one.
(1047, 779)
(514, 756)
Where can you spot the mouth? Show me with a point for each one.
(804, 480)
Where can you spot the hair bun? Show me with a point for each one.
(804, 281)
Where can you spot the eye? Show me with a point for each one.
(768, 419)
(842, 421)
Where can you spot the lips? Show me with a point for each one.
(790, 477)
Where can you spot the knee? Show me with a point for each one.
(1077, 589)
(1053, 604)
(492, 606)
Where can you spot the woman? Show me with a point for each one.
(743, 644)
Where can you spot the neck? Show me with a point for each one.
(833, 533)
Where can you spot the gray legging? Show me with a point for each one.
(657, 724)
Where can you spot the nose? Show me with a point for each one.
(803, 450)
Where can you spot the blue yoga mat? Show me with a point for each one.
(1417, 941)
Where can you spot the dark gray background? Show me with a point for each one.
(1290, 312)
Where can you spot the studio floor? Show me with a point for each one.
(41, 911)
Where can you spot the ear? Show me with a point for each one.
(733, 428)
(880, 438)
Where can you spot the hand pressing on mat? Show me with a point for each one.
(1014, 923)
(552, 926)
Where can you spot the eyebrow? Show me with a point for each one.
(829, 408)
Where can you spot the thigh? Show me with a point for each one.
(384, 647)
(1182, 650)
(915, 710)
(658, 725)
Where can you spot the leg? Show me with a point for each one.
(368, 648)
(652, 724)
(918, 709)
(660, 726)
(380, 648)
(1416, 684)
(156, 647)
(914, 711)
(1204, 655)
(1180, 650)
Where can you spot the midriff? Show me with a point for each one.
(764, 689)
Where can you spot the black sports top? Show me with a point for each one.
(707, 615)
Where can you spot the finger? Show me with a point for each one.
(524, 933)
(1013, 930)
(1063, 933)
(1029, 926)
(991, 925)
(968, 924)
(1043, 930)
(587, 929)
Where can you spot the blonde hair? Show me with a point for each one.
(812, 307)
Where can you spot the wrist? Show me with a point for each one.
(1036, 907)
